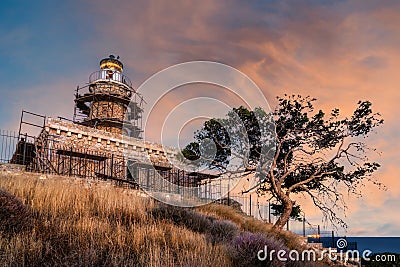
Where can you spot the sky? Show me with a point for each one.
(336, 51)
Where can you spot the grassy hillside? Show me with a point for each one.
(66, 221)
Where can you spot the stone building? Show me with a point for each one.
(103, 140)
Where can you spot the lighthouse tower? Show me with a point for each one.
(109, 102)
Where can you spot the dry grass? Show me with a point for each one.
(249, 224)
(77, 224)
(222, 212)
(73, 222)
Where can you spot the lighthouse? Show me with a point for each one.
(108, 101)
(94, 145)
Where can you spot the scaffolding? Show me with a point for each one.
(109, 102)
(47, 153)
(97, 105)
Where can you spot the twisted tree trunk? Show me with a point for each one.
(287, 210)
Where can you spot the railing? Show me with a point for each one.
(47, 155)
(111, 76)
(253, 206)
(8, 143)
(329, 240)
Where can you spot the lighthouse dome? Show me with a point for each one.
(111, 63)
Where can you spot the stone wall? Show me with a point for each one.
(71, 149)
(109, 102)
(69, 134)
(107, 109)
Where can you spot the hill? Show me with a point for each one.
(52, 220)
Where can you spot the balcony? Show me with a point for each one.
(108, 75)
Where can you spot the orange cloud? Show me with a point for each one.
(338, 52)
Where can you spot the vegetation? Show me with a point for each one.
(78, 224)
(66, 221)
(294, 150)
(244, 250)
(14, 215)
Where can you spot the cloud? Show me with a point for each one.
(339, 52)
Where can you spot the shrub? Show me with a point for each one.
(291, 240)
(14, 215)
(235, 205)
(244, 248)
(255, 226)
(217, 231)
(184, 217)
(222, 231)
